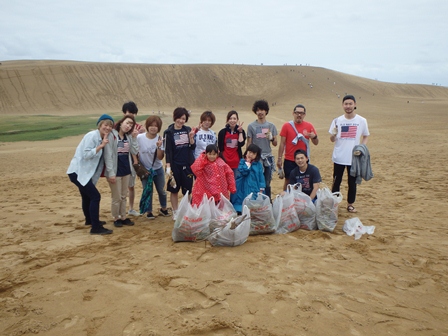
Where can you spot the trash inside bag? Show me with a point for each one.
(353, 226)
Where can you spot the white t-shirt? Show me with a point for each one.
(349, 135)
(202, 140)
(147, 149)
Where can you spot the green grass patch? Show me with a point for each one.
(46, 127)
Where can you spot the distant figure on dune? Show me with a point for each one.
(295, 134)
(85, 170)
(346, 133)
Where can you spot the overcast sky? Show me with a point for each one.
(402, 41)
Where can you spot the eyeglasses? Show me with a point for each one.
(301, 113)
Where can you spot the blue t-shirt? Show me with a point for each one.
(306, 179)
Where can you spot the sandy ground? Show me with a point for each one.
(56, 279)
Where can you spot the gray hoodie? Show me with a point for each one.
(361, 168)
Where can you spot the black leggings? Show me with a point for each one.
(338, 173)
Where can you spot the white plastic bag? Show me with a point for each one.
(261, 218)
(327, 205)
(306, 211)
(285, 214)
(192, 221)
(353, 226)
(221, 213)
(232, 236)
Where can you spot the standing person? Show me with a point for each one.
(130, 108)
(230, 141)
(347, 131)
(306, 174)
(294, 135)
(179, 149)
(213, 176)
(85, 170)
(263, 133)
(205, 136)
(119, 155)
(250, 178)
(151, 154)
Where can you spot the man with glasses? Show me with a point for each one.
(295, 134)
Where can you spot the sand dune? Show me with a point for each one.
(56, 279)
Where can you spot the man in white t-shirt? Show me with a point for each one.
(347, 131)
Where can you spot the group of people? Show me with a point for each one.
(200, 162)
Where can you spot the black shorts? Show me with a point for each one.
(288, 166)
(184, 179)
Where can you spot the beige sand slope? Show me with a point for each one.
(56, 279)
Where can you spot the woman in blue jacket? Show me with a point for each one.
(250, 179)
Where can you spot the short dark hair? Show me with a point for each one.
(118, 124)
(254, 149)
(299, 105)
(300, 151)
(347, 97)
(260, 105)
(130, 107)
(153, 119)
(179, 112)
(208, 114)
(211, 148)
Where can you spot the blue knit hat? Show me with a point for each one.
(105, 117)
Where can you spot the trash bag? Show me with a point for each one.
(221, 213)
(327, 205)
(306, 210)
(234, 233)
(192, 221)
(285, 214)
(261, 217)
(353, 226)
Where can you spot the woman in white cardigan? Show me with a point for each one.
(119, 155)
(85, 170)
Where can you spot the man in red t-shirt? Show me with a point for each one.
(294, 138)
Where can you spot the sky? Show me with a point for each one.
(399, 41)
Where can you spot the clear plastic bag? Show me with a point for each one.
(353, 226)
(192, 221)
(221, 213)
(327, 205)
(306, 211)
(285, 214)
(262, 218)
(234, 233)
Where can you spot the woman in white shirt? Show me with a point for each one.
(85, 170)
(151, 153)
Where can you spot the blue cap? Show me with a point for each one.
(105, 117)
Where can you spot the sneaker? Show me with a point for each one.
(100, 231)
(133, 212)
(164, 212)
(118, 223)
(127, 221)
(149, 215)
(101, 223)
(174, 214)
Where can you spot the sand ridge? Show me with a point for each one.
(56, 279)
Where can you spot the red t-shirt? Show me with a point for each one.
(230, 152)
(288, 132)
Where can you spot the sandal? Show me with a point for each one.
(351, 209)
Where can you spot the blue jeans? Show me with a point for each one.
(91, 199)
(159, 183)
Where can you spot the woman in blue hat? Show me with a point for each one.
(85, 170)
